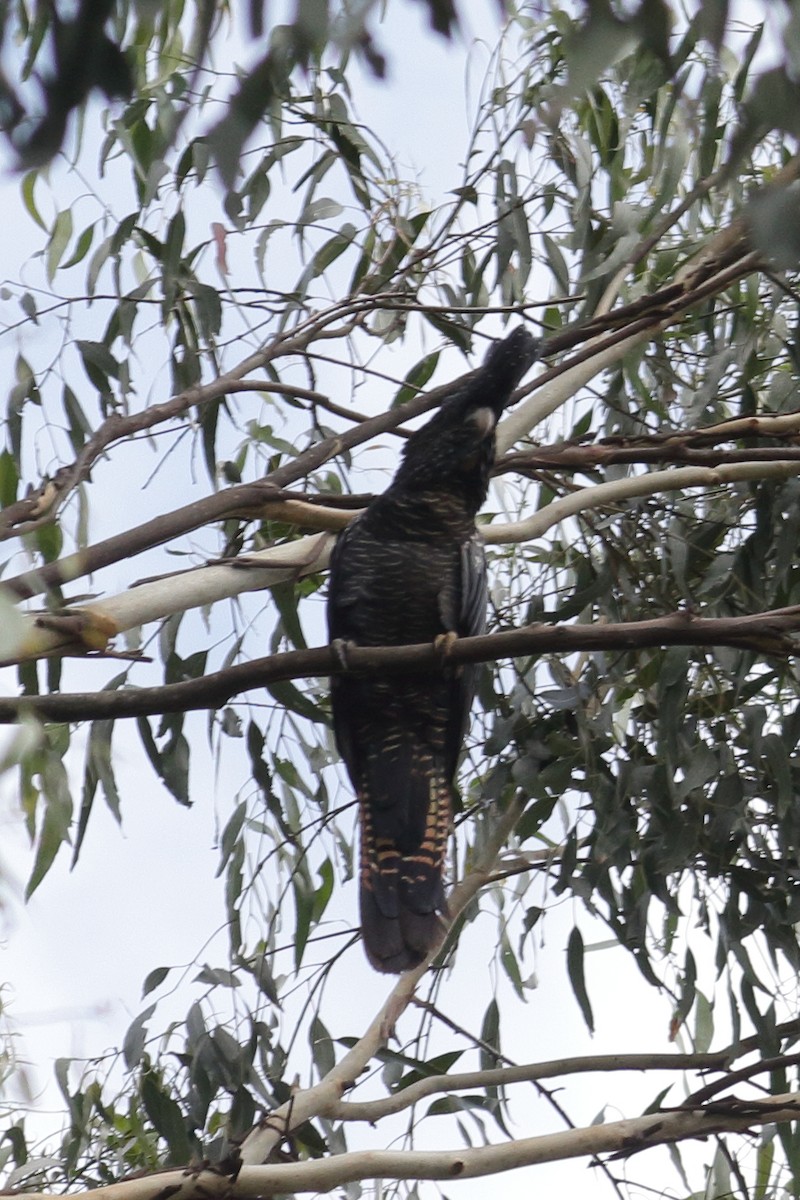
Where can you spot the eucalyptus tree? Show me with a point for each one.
(248, 318)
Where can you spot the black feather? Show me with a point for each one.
(409, 569)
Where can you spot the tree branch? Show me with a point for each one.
(263, 500)
(648, 484)
(720, 1060)
(374, 1110)
(620, 1138)
(582, 456)
(628, 324)
(763, 633)
(247, 501)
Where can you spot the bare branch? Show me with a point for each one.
(40, 506)
(206, 585)
(263, 500)
(647, 484)
(584, 456)
(374, 1110)
(720, 1060)
(764, 633)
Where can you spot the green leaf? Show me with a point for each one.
(304, 911)
(576, 976)
(172, 764)
(231, 834)
(175, 768)
(209, 422)
(321, 1045)
(557, 264)
(459, 335)
(416, 379)
(149, 743)
(688, 992)
(55, 828)
(59, 238)
(658, 1099)
(291, 698)
(331, 250)
(82, 247)
(208, 308)
(438, 1064)
(15, 1136)
(135, 1037)
(230, 723)
(764, 1161)
(511, 967)
(286, 598)
(96, 264)
(490, 1036)
(98, 363)
(100, 759)
(242, 1114)
(49, 541)
(166, 1117)
(321, 209)
(218, 977)
(98, 769)
(9, 478)
(79, 427)
(28, 186)
(154, 980)
(324, 892)
(173, 250)
(468, 194)
(28, 306)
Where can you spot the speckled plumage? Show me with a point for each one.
(410, 569)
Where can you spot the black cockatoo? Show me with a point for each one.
(411, 568)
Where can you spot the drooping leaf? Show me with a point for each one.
(575, 963)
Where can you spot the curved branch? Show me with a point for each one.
(778, 1063)
(374, 1110)
(647, 484)
(630, 325)
(720, 1060)
(678, 446)
(91, 626)
(638, 321)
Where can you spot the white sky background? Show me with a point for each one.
(76, 955)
